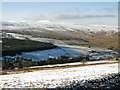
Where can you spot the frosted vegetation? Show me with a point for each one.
(57, 77)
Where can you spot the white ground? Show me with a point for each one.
(71, 51)
(56, 77)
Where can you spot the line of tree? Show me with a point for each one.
(21, 63)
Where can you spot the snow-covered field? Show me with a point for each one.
(56, 77)
(71, 51)
(57, 52)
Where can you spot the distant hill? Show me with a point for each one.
(72, 34)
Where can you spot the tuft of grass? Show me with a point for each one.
(61, 84)
(74, 81)
(82, 81)
(5, 83)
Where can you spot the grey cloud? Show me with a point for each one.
(73, 10)
(33, 18)
(76, 9)
(73, 16)
(58, 16)
(110, 9)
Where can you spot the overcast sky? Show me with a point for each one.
(66, 12)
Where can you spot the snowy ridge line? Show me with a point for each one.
(56, 26)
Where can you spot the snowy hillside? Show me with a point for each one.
(55, 26)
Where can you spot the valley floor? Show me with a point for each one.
(69, 50)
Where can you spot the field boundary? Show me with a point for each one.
(25, 70)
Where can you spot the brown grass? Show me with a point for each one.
(96, 39)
